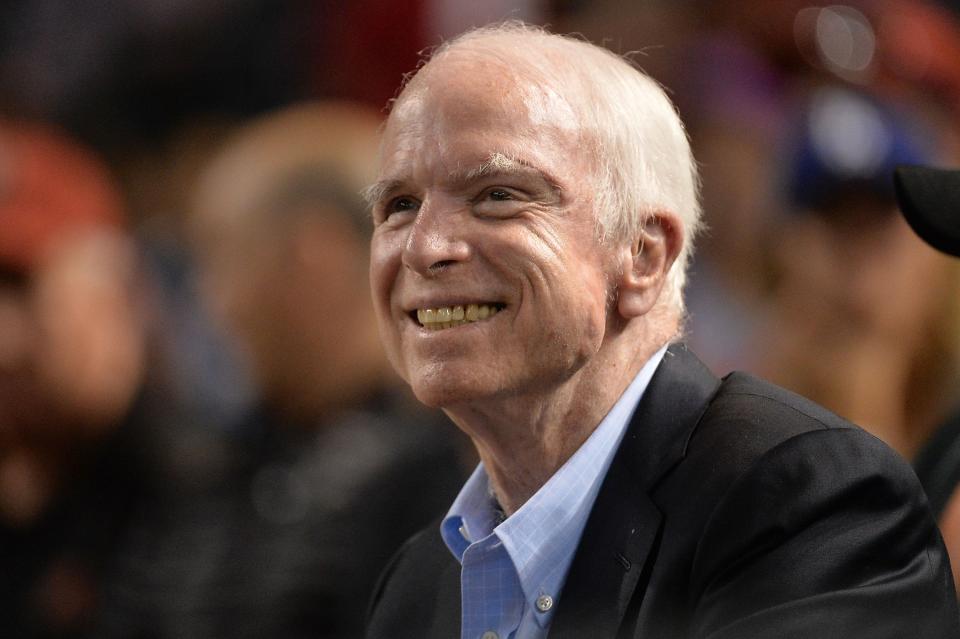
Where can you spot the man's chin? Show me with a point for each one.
(444, 395)
(445, 388)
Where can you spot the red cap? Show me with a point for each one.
(49, 187)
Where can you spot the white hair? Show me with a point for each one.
(642, 156)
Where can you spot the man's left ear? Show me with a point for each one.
(645, 264)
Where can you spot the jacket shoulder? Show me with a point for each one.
(743, 396)
(748, 416)
(753, 429)
(803, 516)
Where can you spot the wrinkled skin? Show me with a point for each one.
(486, 196)
(525, 239)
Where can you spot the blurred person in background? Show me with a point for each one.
(818, 256)
(278, 229)
(930, 201)
(863, 316)
(335, 466)
(72, 362)
(746, 70)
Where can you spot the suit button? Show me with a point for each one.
(544, 603)
(490, 634)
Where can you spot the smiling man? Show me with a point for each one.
(534, 216)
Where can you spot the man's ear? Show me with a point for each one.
(645, 264)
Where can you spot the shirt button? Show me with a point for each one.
(490, 634)
(544, 603)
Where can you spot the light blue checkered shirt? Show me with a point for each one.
(513, 569)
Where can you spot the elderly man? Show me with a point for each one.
(533, 219)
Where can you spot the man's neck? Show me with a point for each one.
(524, 440)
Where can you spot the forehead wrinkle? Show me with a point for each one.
(427, 103)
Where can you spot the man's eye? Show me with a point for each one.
(399, 204)
(499, 195)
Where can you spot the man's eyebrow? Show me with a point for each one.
(500, 163)
(497, 163)
(379, 190)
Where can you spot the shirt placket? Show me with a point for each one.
(492, 599)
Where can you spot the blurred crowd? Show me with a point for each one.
(199, 434)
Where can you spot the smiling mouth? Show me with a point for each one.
(436, 319)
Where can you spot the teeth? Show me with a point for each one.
(451, 316)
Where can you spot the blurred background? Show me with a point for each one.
(199, 436)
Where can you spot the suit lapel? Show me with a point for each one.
(618, 547)
(608, 563)
(446, 618)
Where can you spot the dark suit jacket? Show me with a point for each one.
(732, 509)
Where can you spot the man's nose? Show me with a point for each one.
(436, 240)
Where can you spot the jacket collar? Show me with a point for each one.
(618, 545)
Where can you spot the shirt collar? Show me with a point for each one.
(542, 536)
(473, 515)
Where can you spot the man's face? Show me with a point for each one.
(486, 207)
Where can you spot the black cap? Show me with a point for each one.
(930, 200)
